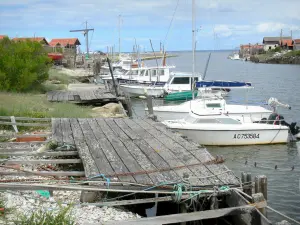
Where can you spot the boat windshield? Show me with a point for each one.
(213, 105)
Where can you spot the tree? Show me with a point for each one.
(23, 65)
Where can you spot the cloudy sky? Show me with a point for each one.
(221, 24)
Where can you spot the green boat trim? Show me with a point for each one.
(183, 95)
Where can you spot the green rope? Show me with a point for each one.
(178, 189)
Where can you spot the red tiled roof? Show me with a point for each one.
(64, 41)
(251, 46)
(245, 46)
(288, 42)
(297, 41)
(39, 39)
(2, 36)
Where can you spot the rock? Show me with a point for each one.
(109, 110)
(283, 222)
(55, 82)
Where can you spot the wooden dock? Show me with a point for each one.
(86, 96)
(140, 151)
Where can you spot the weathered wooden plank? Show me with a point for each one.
(65, 96)
(181, 154)
(171, 152)
(44, 173)
(89, 165)
(25, 135)
(26, 118)
(173, 135)
(67, 131)
(50, 95)
(55, 96)
(16, 149)
(54, 153)
(3, 144)
(133, 202)
(137, 153)
(57, 130)
(111, 153)
(156, 159)
(126, 129)
(136, 129)
(124, 153)
(116, 129)
(26, 124)
(185, 217)
(71, 95)
(40, 161)
(95, 148)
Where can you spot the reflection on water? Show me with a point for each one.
(280, 81)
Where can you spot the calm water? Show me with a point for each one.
(280, 81)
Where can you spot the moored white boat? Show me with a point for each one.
(138, 90)
(226, 131)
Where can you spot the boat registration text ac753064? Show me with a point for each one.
(246, 136)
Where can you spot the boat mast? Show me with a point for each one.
(193, 45)
(119, 35)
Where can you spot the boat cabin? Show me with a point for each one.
(181, 82)
(146, 74)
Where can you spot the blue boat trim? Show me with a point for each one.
(222, 84)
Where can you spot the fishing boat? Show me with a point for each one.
(134, 90)
(223, 130)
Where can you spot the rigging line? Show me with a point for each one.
(171, 21)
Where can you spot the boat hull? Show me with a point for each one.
(236, 137)
(142, 90)
(173, 115)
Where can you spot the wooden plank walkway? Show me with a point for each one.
(140, 151)
(99, 95)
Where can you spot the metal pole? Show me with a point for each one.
(87, 40)
(193, 44)
(119, 35)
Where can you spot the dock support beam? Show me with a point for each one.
(247, 183)
(150, 108)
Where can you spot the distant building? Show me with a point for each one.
(41, 40)
(296, 44)
(273, 42)
(2, 36)
(251, 49)
(286, 44)
(65, 42)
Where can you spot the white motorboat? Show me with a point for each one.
(141, 89)
(211, 105)
(209, 102)
(177, 82)
(222, 130)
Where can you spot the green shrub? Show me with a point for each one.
(277, 49)
(293, 53)
(23, 65)
(57, 75)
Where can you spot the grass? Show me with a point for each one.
(37, 106)
(59, 76)
(62, 217)
(293, 53)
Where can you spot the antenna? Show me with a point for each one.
(86, 34)
(119, 35)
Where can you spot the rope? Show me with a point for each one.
(101, 176)
(171, 22)
(178, 188)
(285, 216)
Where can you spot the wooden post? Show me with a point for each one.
(183, 209)
(249, 184)
(261, 185)
(260, 203)
(150, 108)
(112, 76)
(149, 105)
(128, 106)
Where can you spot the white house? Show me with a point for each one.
(272, 42)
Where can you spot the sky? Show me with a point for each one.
(220, 24)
